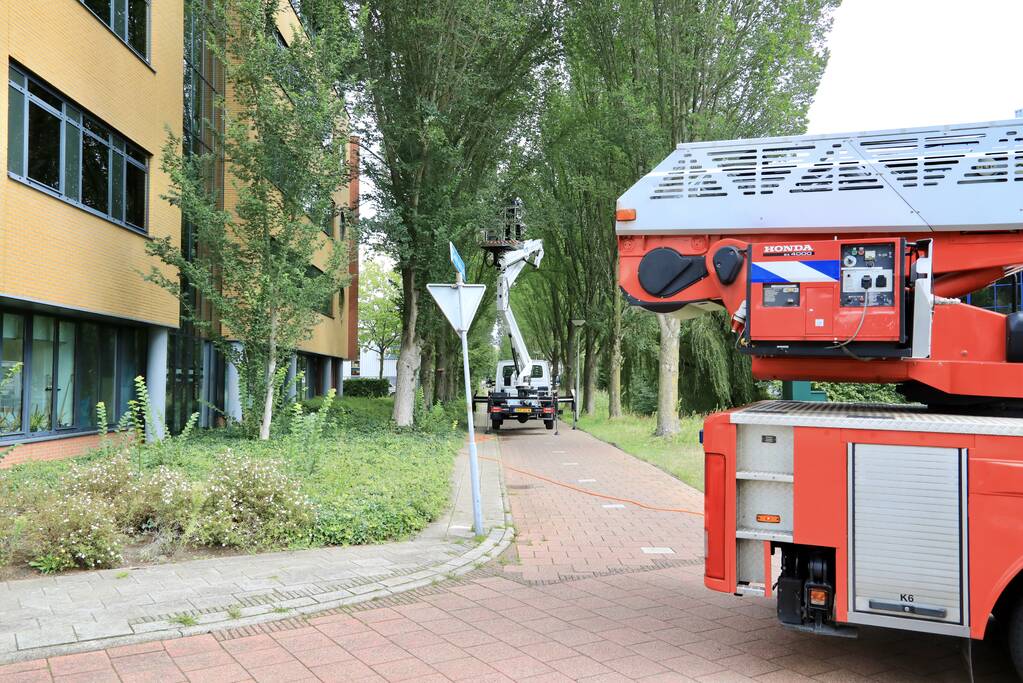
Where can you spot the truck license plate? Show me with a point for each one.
(523, 410)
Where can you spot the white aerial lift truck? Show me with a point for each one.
(522, 388)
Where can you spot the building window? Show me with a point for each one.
(54, 145)
(327, 307)
(129, 19)
(67, 367)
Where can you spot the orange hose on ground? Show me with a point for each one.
(592, 493)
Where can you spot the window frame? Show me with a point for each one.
(109, 24)
(122, 340)
(71, 114)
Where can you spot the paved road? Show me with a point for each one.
(584, 601)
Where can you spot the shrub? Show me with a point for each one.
(161, 500)
(367, 386)
(251, 503)
(860, 393)
(67, 531)
(644, 398)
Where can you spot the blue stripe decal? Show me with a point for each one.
(830, 268)
(780, 272)
(760, 275)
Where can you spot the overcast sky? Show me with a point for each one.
(906, 63)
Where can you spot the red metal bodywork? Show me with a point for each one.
(967, 358)
(820, 515)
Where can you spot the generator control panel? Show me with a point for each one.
(868, 275)
(826, 296)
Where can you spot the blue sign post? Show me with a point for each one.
(456, 261)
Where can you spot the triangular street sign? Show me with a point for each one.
(459, 303)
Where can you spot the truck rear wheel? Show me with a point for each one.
(1015, 636)
(548, 424)
(495, 424)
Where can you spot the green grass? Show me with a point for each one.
(680, 456)
(365, 481)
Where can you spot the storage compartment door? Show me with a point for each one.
(907, 532)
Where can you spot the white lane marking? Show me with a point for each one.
(587, 481)
(613, 506)
(569, 464)
(559, 452)
(658, 551)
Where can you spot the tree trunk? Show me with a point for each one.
(440, 367)
(271, 371)
(426, 374)
(590, 374)
(614, 374)
(571, 360)
(409, 356)
(380, 366)
(667, 377)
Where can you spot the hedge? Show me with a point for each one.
(367, 386)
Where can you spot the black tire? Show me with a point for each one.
(1015, 636)
(495, 425)
(548, 424)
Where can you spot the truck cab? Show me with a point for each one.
(523, 402)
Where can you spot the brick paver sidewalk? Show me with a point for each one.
(591, 605)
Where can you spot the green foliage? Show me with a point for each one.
(379, 309)
(341, 474)
(395, 484)
(367, 386)
(713, 374)
(447, 84)
(69, 530)
(285, 140)
(860, 393)
(253, 504)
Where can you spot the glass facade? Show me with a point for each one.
(191, 358)
(67, 367)
(54, 145)
(129, 19)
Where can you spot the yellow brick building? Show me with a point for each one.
(94, 86)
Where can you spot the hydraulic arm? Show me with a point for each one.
(510, 264)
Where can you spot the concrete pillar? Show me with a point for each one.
(327, 375)
(292, 374)
(156, 380)
(232, 388)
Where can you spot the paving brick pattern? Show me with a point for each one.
(587, 614)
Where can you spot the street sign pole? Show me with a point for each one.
(474, 465)
(460, 309)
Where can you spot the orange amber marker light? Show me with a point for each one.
(818, 597)
(769, 519)
(625, 214)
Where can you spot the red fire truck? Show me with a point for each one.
(845, 258)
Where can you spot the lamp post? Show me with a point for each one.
(577, 323)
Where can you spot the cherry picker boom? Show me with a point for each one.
(523, 388)
(846, 258)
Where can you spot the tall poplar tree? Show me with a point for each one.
(446, 82)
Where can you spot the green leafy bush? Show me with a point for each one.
(251, 503)
(70, 530)
(340, 474)
(860, 393)
(367, 386)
